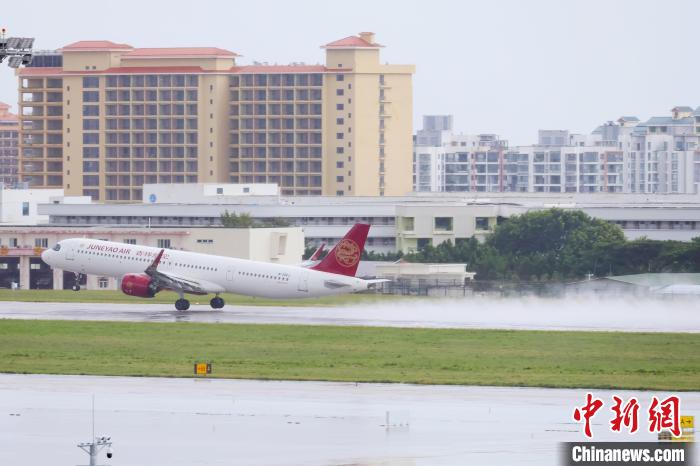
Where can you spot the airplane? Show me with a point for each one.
(144, 270)
(315, 256)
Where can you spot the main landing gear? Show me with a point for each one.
(78, 279)
(216, 302)
(182, 304)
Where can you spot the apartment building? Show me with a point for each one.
(448, 162)
(660, 155)
(9, 145)
(112, 117)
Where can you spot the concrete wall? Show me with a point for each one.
(13, 200)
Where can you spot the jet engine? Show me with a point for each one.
(139, 284)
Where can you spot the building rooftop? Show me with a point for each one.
(669, 121)
(364, 40)
(94, 45)
(5, 114)
(682, 108)
(280, 69)
(179, 52)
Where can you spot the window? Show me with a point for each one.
(339, 92)
(41, 242)
(102, 283)
(91, 110)
(25, 209)
(91, 96)
(130, 241)
(339, 106)
(91, 138)
(205, 241)
(163, 243)
(340, 77)
(91, 124)
(91, 81)
(482, 223)
(443, 223)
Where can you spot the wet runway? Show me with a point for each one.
(190, 422)
(624, 314)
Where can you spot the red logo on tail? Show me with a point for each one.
(347, 252)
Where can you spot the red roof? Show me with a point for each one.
(91, 45)
(279, 69)
(351, 42)
(31, 71)
(179, 52)
(5, 115)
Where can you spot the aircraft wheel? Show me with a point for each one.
(76, 287)
(182, 304)
(216, 302)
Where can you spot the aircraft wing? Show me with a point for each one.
(175, 282)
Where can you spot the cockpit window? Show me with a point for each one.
(57, 247)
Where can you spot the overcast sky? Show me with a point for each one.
(505, 66)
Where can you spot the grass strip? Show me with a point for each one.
(659, 361)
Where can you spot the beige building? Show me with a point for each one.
(21, 248)
(9, 143)
(114, 117)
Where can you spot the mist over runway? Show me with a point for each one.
(625, 314)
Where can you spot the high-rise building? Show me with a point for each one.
(9, 143)
(112, 117)
(660, 155)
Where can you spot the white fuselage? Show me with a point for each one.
(216, 273)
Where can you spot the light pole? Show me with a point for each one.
(95, 447)
(18, 50)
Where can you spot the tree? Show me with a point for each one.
(233, 220)
(568, 242)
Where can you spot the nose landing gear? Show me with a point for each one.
(78, 279)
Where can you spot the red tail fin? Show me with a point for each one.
(345, 256)
(317, 253)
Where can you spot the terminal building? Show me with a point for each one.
(190, 217)
(404, 223)
(101, 119)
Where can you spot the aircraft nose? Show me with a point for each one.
(45, 255)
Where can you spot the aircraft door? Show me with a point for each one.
(303, 281)
(70, 252)
(229, 275)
